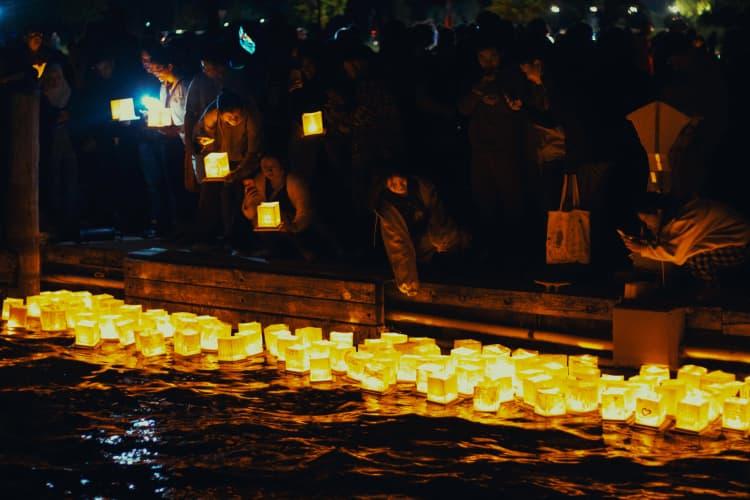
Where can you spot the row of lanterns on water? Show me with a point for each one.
(490, 375)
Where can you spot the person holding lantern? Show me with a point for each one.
(233, 126)
(414, 226)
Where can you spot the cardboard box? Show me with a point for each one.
(642, 335)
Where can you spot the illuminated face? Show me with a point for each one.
(397, 184)
(231, 118)
(272, 169)
(146, 61)
(34, 41)
(488, 58)
(161, 72)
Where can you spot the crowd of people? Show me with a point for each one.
(440, 140)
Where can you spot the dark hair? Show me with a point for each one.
(215, 53)
(229, 101)
(161, 55)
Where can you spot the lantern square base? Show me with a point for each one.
(667, 423)
(712, 427)
(267, 229)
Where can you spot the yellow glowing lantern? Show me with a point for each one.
(672, 391)
(497, 365)
(736, 414)
(745, 389)
(713, 377)
(522, 360)
(615, 404)
(468, 376)
(395, 338)
(442, 387)
(269, 215)
(532, 384)
(254, 335)
(210, 335)
(424, 371)
(17, 315)
(34, 304)
(339, 354)
(312, 123)
(584, 372)
(549, 401)
(320, 361)
(463, 352)
(232, 347)
(407, 368)
(650, 410)
(309, 334)
(183, 320)
(85, 296)
(472, 344)
(159, 117)
(110, 306)
(655, 371)
(519, 380)
(74, 308)
(587, 360)
(297, 358)
(345, 338)
(53, 318)
(427, 349)
(486, 395)
(582, 395)
(377, 376)
(123, 109)
(108, 327)
(497, 350)
(376, 345)
(693, 412)
(99, 299)
(126, 331)
(555, 369)
(283, 342)
(390, 358)
(87, 333)
(216, 166)
(270, 334)
(355, 362)
(151, 343)
(187, 342)
(132, 312)
(6, 306)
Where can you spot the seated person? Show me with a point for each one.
(414, 226)
(703, 235)
(231, 126)
(274, 183)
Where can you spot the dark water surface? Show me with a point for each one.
(108, 423)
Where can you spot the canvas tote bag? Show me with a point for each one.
(569, 231)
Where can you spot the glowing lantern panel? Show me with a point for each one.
(442, 387)
(232, 347)
(549, 402)
(339, 354)
(312, 123)
(159, 117)
(17, 316)
(693, 413)
(320, 368)
(53, 318)
(6, 306)
(736, 414)
(297, 358)
(283, 342)
(582, 395)
(468, 375)
(309, 334)
(87, 333)
(377, 376)
(407, 368)
(487, 395)
(345, 338)
(614, 404)
(126, 331)
(672, 391)
(108, 327)
(151, 343)
(123, 109)
(187, 342)
(216, 166)
(269, 215)
(424, 371)
(355, 362)
(650, 411)
(270, 336)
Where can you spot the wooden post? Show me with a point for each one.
(22, 203)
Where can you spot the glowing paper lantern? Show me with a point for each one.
(182, 320)
(377, 376)
(216, 166)
(582, 395)
(297, 358)
(672, 391)
(232, 347)
(578, 360)
(87, 333)
(736, 414)
(187, 342)
(650, 410)
(497, 366)
(17, 315)
(654, 371)
(151, 343)
(269, 215)
(472, 344)
(355, 362)
(375, 345)
(487, 395)
(549, 402)
(283, 342)
(407, 368)
(320, 361)
(269, 335)
(6, 306)
(424, 371)
(312, 123)
(390, 358)
(254, 336)
(395, 338)
(108, 327)
(531, 385)
(123, 109)
(85, 296)
(339, 355)
(519, 381)
(468, 375)
(614, 404)
(713, 377)
(497, 350)
(309, 334)
(693, 412)
(745, 389)
(345, 338)
(442, 387)
(34, 304)
(159, 117)
(53, 318)
(126, 331)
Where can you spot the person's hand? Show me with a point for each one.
(409, 289)
(252, 195)
(204, 141)
(513, 104)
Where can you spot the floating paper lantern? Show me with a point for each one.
(615, 404)
(320, 368)
(497, 365)
(211, 330)
(672, 391)
(717, 377)
(110, 306)
(283, 341)
(582, 395)
(183, 320)
(53, 318)
(468, 375)
(6, 306)
(588, 360)
(345, 338)
(74, 308)
(549, 402)
(377, 376)
(269, 215)
(375, 345)
(159, 117)
(87, 333)
(108, 327)
(99, 299)
(309, 334)
(424, 371)
(253, 333)
(533, 384)
(126, 331)
(407, 368)
(736, 414)
(216, 166)
(520, 377)
(232, 347)
(339, 356)
(442, 387)
(585, 372)
(17, 315)
(297, 358)
(655, 371)
(312, 123)
(187, 342)
(472, 344)
(269, 335)
(123, 109)
(151, 343)
(390, 358)
(555, 369)
(650, 410)
(693, 412)
(486, 395)
(497, 350)
(395, 338)
(34, 304)
(745, 389)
